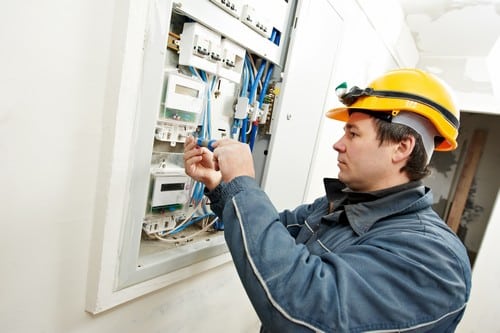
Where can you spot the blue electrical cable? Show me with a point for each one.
(253, 89)
(194, 72)
(255, 125)
(191, 222)
(250, 72)
(273, 35)
(208, 132)
(243, 131)
(197, 194)
(277, 38)
(266, 83)
(203, 76)
(253, 135)
(234, 129)
(212, 85)
(244, 86)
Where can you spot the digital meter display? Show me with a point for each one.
(172, 187)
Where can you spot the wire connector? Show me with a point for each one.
(265, 112)
(242, 107)
(205, 143)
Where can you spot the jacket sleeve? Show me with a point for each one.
(291, 219)
(295, 291)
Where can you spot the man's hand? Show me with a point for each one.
(200, 165)
(233, 159)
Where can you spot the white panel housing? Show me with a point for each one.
(200, 47)
(308, 74)
(184, 93)
(256, 21)
(233, 59)
(169, 189)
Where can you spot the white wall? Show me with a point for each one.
(58, 79)
(483, 310)
(356, 63)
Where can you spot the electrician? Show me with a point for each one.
(369, 256)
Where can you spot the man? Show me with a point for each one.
(369, 256)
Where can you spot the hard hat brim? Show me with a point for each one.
(342, 114)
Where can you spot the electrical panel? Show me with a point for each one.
(214, 86)
(213, 74)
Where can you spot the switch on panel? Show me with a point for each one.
(256, 21)
(199, 47)
(204, 49)
(231, 7)
(232, 61)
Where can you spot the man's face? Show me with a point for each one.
(364, 164)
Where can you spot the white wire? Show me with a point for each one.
(249, 127)
(195, 72)
(186, 238)
(186, 220)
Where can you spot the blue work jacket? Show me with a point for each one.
(348, 262)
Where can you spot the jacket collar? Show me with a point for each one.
(364, 209)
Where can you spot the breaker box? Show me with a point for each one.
(199, 58)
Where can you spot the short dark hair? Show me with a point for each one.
(416, 167)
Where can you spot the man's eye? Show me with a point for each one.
(352, 134)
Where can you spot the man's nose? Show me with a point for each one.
(339, 146)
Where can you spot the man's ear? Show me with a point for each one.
(403, 149)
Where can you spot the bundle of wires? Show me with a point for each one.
(249, 88)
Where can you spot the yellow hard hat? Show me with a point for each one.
(410, 90)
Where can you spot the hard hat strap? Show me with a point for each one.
(355, 92)
(403, 95)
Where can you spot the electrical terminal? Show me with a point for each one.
(173, 133)
(264, 113)
(215, 53)
(229, 6)
(173, 41)
(233, 60)
(242, 108)
(229, 59)
(258, 24)
(254, 112)
(164, 133)
(152, 224)
(200, 47)
(174, 136)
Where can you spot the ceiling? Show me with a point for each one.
(458, 40)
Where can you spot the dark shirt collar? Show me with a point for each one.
(354, 197)
(363, 209)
